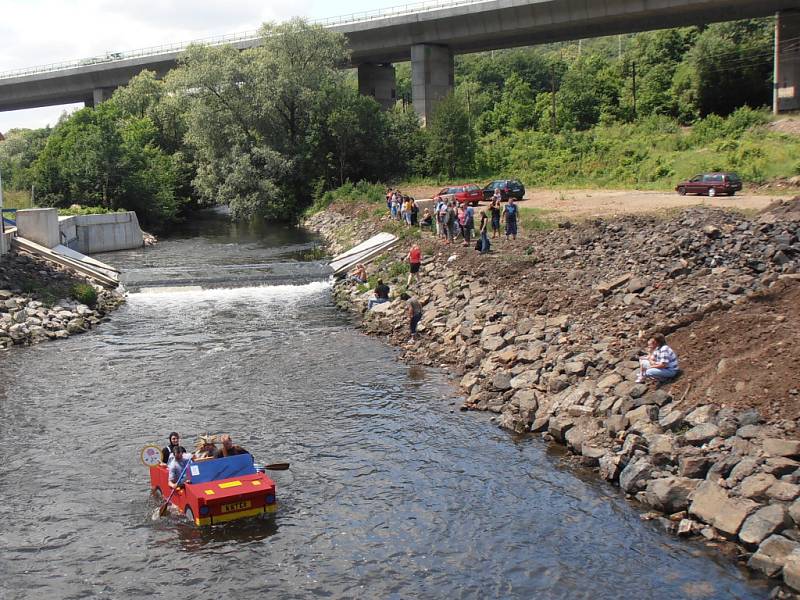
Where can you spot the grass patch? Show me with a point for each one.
(87, 210)
(46, 292)
(362, 191)
(533, 219)
(84, 293)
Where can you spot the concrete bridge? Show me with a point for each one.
(429, 35)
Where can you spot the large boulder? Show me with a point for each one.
(791, 569)
(611, 466)
(634, 477)
(712, 505)
(702, 433)
(772, 555)
(778, 447)
(670, 494)
(763, 523)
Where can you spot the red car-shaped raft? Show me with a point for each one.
(219, 490)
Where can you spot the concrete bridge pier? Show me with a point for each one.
(432, 77)
(378, 81)
(786, 96)
(100, 95)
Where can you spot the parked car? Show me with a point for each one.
(467, 193)
(711, 184)
(507, 187)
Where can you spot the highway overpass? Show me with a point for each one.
(429, 35)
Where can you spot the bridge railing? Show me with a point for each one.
(358, 17)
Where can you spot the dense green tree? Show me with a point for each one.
(97, 158)
(17, 154)
(590, 91)
(249, 115)
(451, 147)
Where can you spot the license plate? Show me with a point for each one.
(235, 506)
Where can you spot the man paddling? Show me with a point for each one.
(177, 467)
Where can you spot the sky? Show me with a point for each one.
(40, 32)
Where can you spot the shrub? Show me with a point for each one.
(84, 293)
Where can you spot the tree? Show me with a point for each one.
(249, 116)
(451, 147)
(17, 153)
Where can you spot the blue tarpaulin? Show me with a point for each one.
(221, 468)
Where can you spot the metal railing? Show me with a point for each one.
(352, 18)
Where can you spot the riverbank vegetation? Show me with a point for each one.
(272, 130)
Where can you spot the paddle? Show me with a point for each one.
(161, 510)
(276, 467)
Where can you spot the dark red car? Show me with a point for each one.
(711, 184)
(467, 193)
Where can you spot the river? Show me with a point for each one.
(392, 492)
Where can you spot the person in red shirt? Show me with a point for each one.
(414, 260)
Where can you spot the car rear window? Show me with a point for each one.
(453, 190)
(472, 188)
(733, 177)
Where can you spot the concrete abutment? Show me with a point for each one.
(787, 61)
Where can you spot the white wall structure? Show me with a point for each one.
(39, 225)
(101, 233)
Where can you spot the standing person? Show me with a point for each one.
(414, 312)
(441, 219)
(389, 196)
(462, 221)
(510, 217)
(407, 209)
(414, 259)
(494, 209)
(497, 196)
(452, 222)
(414, 212)
(168, 451)
(484, 233)
(469, 224)
(661, 363)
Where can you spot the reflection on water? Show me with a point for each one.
(391, 494)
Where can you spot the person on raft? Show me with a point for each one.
(177, 466)
(205, 447)
(166, 451)
(228, 447)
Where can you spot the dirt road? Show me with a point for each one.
(581, 204)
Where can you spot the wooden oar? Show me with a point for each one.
(161, 510)
(276, 467)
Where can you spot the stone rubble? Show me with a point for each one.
(26, 319)
(549, 342)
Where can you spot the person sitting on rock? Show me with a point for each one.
(662, 362)
(427, 219)
(359, 274)
(381, 294)
(228, 447)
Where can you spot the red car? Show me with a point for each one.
(219, 490)
(469, 193)
(711, 184)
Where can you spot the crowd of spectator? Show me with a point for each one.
(452, 221)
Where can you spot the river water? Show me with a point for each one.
(392, 493)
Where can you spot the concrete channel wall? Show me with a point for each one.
(5, 242)
(101, 233)
(85, 233)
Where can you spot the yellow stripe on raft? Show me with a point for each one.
(229, 484)
(271, 508)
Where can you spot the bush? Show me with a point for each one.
(349, 192)
(77, 210)
(84, 293)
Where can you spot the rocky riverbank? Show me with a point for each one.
(546, 331)
(37, 302)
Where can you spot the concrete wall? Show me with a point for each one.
(101, 233)
(39, 225)
(5, 243)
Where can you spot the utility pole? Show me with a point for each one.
(2, 219)
(580, 47)
(553, 95)
(619, 46)
(634, 90)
